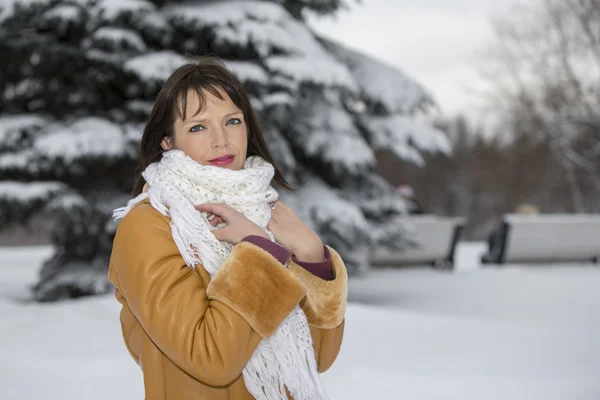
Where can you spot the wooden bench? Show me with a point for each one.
(435, 240)
(546, 238)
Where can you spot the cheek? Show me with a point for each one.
(242, 143)
(197, 147)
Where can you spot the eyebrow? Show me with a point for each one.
(204, 120)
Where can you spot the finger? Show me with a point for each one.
(216, 221)
(282, 204)
(274, 207)
(220, 210)
(221, 234)
(277, 212)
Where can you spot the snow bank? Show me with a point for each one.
(410, 334)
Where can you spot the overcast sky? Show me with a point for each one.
(434, 41)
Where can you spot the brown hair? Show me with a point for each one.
(205, 75)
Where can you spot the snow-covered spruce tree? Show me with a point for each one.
(80, 81)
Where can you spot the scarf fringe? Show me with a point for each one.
(120, 213)
(276, 357)
(208, 253)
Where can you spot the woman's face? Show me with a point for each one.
(215, 136)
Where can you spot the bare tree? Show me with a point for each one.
(544, 71)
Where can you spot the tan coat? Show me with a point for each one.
(191, 335)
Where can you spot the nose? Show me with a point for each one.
(220, 137)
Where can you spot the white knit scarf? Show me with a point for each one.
(177, 183)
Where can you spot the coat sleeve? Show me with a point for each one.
(208, 330)
(325, 309)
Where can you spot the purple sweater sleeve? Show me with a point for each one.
(280, 253)
(321, 269)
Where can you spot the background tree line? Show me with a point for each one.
(543, 75)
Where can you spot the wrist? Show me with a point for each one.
(262, 233)
(312, 251)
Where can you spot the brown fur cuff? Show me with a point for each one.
(256, 286)
(325, 301)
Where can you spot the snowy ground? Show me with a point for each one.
(477, 334)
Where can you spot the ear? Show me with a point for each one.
(166, 143)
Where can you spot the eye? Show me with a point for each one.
(234, 121)
(197, 128)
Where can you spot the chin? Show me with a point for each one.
(233, 167)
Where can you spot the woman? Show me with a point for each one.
(226, 293)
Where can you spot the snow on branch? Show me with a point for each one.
(87, 137)
(118, 38)
(18, 161)
(287, 46)
(21, 192)
(328, 212)
(111, 10)
(54, 145)
(374, 195)
(16, 129)
(9, 8)
(248, 72)
(63, 12)
(381, 83)
(316, 68)
(20, 200)
(405, 136)
(155, 67)
(281, 151)
(347, 154)
(240, 23)
(331, 135)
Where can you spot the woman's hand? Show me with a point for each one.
(293, 234)
(237, 225)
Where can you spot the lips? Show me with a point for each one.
(222, 160)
